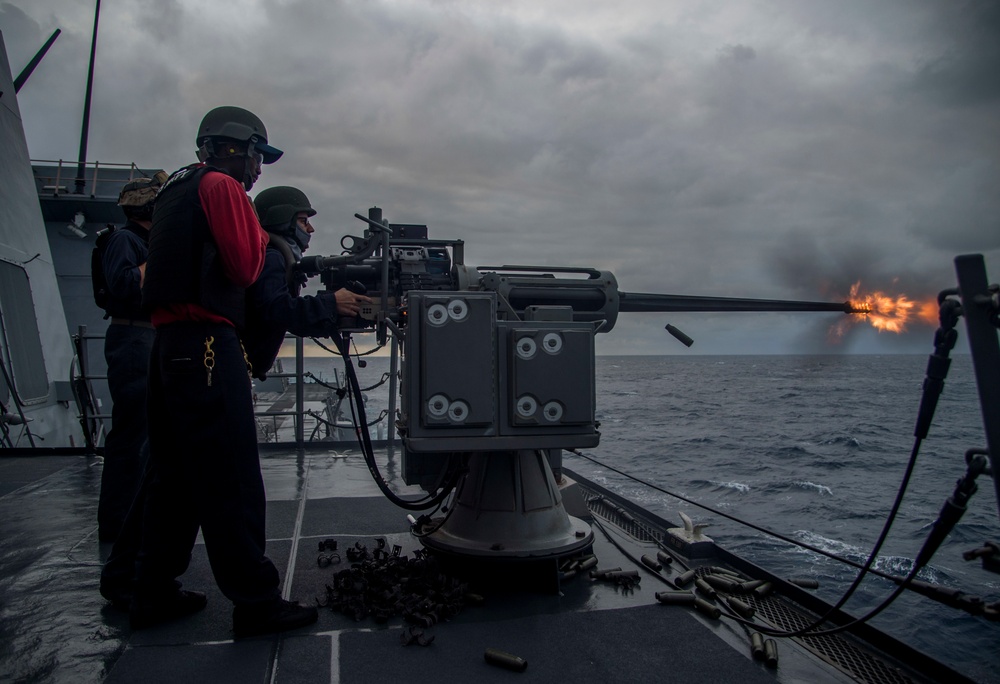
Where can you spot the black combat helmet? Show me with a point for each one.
(136, 197)
(236, 123)
(277, 207)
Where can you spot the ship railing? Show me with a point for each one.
(268, 418)
(58, 177)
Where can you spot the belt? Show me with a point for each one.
(139, 323)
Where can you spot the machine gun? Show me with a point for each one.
(498, 370)
(392, 260)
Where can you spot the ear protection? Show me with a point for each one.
(208, 150)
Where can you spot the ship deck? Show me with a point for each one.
(54, 625)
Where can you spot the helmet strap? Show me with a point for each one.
(206, 151)
(209, 150)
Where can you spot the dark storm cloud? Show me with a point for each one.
(22, 36)
(966, 72)
(771, 149)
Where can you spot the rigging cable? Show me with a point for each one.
(865, 568)
(937, 369)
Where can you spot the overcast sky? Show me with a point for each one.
(777, 149)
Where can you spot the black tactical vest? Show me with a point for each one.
(184, 265)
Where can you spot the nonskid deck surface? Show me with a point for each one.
(54, 625)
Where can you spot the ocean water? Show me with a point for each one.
(812, 447)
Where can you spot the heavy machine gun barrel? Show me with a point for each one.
(635, 302)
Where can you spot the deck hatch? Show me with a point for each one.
(22, 344)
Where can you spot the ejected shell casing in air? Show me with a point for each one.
(681, 337)
(509, 661)
(664, 557)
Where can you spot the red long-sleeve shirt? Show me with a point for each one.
(240, 240)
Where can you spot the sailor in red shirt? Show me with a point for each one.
(206, 247)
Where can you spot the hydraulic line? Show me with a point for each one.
(364, 440)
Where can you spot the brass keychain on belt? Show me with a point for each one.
(209, 357)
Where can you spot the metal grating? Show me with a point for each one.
(833, 649)
(624, 520)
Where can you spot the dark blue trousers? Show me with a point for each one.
(204, 468)
(126, 349)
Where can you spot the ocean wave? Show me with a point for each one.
(965, 533)
(793, 449)
(737, 486)
(848, 440)
(828, 544)
(822, 489)
(899, 566)
(832, 464)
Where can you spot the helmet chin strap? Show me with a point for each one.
(251, 155)
(248, 179)
(208, 151)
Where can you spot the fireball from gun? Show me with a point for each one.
(886, 312)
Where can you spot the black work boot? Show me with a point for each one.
(281, 615)
(120, 595)
(149, 612)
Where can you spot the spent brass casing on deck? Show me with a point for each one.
(676, 598)
(505, 660)
(650, 562)
(771, 653)
(685, 578)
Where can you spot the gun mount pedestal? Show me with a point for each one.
(509, 507)
(501, 392)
